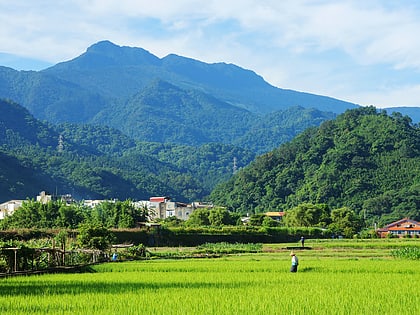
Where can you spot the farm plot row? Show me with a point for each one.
(241, 284)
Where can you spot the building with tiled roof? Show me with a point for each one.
(401, 228)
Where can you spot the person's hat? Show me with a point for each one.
(292, 254)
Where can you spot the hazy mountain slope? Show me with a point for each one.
(110, 70)
(165, 113)
(100, 162)
(19, 127)
(50, 98)
(173, 99)
(271, 130)
(19, 179)
(121, 72)
(30, 160)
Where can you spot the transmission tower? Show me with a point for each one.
(60, 146)
(235, 167)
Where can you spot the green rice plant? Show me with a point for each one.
(228, 248)
(251, 283)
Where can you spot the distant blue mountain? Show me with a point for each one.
(412, 112)
(174, 98)
(122, 71)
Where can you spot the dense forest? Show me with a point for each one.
(365, 160)
(96, 162)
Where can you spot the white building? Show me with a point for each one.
(7, 208)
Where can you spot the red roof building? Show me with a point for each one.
(159, 199)
(401, 228)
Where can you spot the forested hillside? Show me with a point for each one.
(99, 162)
(365, 160)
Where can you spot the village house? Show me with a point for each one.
(163, 207)
(400, 228)
(160, 207)
(8, 207)
(275, 215)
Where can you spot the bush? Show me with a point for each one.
(133, 252)
(94, 237)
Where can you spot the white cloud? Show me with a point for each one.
(322, 46)
(407, 95)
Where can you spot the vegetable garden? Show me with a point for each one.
(335, 277)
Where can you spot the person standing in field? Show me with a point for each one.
(295, 262)
(302, 241)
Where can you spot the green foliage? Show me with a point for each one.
(171, 222)
(228, 248)
(8, 260)
(270, 222)
(133, 252)
(58, 214)
(345, 222)
(364, 160)
(97, 162)
(53, 214)
(215, 217)
(194, 236)
(257, 219)
(117, 214)
(308, 215)
(94, 237)
(412, 253)
(200, 217)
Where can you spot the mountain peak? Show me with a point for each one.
(103, 46)
(105, 54)
(122, 55)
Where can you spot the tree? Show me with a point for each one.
(307, 214)
(27, 216)
(94, 237)
(257, 219)
(144, 213)
(270, 222)
(199, 217)
(220, 216)
(345, 221)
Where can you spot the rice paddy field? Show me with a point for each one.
(334, 277)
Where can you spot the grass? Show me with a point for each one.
(332, 279)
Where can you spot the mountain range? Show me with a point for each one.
(98, 162)
(148, 98)
(132, 125)
(171, 99)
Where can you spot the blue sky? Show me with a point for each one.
(362, 51)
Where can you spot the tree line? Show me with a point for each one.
(125, 214)
(58, 214)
